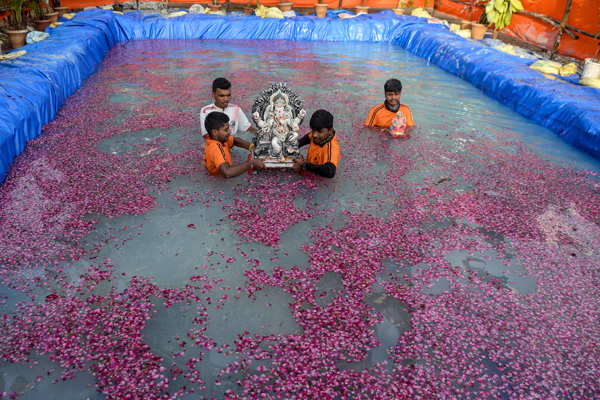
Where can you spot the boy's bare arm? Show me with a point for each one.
(241, 143)
(230, 171)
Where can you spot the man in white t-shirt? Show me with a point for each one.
(221, 91)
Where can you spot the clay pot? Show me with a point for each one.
(42, 24)
(398, 11)
(465, 24)
(214, 7)
(285, 6)
(321, 10)
(361, 10)
(53, 17)
(478, 31)
(16, 37)
(61, 10)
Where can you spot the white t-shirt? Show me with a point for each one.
(237, 119)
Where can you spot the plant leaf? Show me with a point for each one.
(516, 5)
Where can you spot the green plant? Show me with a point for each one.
(40, 9)
(499, 12)
(16, 8)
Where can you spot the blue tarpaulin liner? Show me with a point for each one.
(34, 86)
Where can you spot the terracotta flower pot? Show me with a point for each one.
(361, 10)
(61, 10)
(321, 10)
(42, 24)
(465, 24)
(285, 6)
(53, 17)
(16, 37)
(214, 7)
(478, 31)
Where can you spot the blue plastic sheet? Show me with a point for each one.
(34, 86)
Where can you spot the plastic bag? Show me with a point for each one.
(36, 36)
(568, 69)
(546, 66)
(268, 12)
(465, 33)
(14, 54)
(273, 12)
(592, 82)
(420, 12)
(196, 9)
(176, 14)
(506, 48)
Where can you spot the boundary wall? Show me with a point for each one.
(35, 85)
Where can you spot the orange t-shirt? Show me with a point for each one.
(381, 117)
(329, 152)
(217, 153)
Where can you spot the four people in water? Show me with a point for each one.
(222, 120)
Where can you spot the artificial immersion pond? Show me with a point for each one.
(459, 263)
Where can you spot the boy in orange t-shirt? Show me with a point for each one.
(323, 153)
(217, 158)
(391, 116)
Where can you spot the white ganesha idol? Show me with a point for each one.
(278, 114)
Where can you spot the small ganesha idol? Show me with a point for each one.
(398, 127)
(278, 114)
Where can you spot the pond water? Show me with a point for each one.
(461, 262)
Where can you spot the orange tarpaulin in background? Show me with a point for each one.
(584, 15)
(74, 4)
(333, 4)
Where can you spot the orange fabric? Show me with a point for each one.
(381, 117)
(74, 4)
(320, 155)
(584, 47)
(217, 153)
(532, 30)
(333, 4)
(460, 10)
(584, 14)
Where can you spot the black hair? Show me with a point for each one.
(215, 120)
(221, 83)
(392, 85)
(321, 119)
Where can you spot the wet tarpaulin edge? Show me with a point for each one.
(34, 86)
